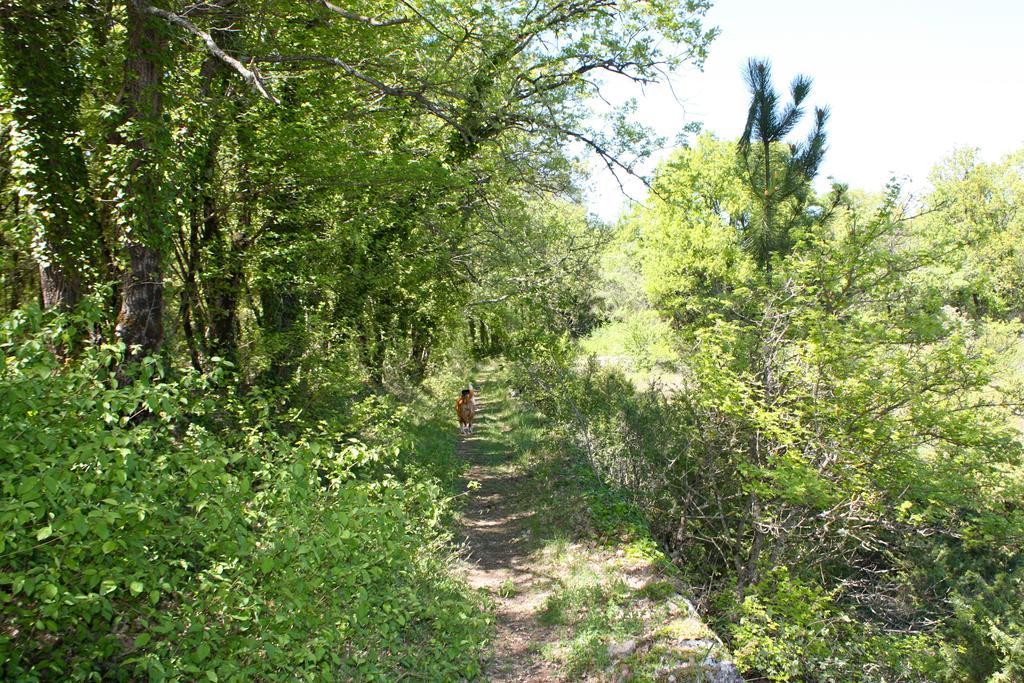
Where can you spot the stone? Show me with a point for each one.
(721, 672)
(623, 649)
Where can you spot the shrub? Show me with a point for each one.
(169, 528)
(790, 629)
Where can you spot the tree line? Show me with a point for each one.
(237, 179)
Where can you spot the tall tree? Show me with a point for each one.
(44, 87)
(143, 212)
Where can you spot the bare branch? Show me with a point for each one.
(203, 7)
(370, 21)
(611, 162)
(497, 299)
(385, 89)
(250, 77)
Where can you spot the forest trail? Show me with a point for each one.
(578, 591)
(499, 560)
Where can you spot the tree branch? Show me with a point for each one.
(251, 78)
(203, 7)
(383, 88)
(352, 16)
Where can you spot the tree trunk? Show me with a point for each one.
(50, 171)
(187, 298)
(769, 227)
(223, 286)
(281, 309)
(203, 214)
(140, 321)
(61, 287)
(222, 299)
(485, 339)
(419, 355)
(748, 571)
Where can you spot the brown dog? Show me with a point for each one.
(465, 409)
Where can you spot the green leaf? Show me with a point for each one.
(136, 587)
(44, 533)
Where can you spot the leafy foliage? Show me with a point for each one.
(215, 539)
(837, 455)
(248, 241)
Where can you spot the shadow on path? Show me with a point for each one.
(499, 544)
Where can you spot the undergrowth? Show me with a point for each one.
(180, 527)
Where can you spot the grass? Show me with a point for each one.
(617, 614)
(642, 345)
(658, 590)
(508, 589)
(596, 612)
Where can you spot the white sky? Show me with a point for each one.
(907, 81)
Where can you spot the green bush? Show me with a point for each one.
(170, 529)
(792, 630)
(936, 597)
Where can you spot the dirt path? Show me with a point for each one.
(499, 548)
(567, 605)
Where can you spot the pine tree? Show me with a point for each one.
(777, 172)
